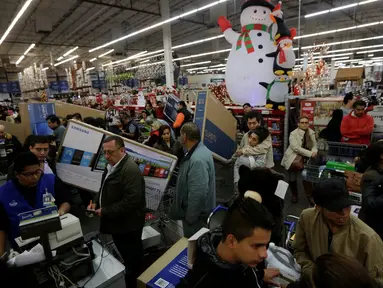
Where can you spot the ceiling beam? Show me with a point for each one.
(119, 6)
(352, 17)
(130, 8)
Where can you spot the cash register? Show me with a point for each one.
(62, 234)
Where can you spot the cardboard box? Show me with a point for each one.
(192, 246)
(218, 127)
(171, 267)
(168, 269)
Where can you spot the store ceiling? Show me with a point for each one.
(86, 24)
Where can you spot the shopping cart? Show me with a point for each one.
(289, 228)
(157, 213)
(336, 152)
(333, 160)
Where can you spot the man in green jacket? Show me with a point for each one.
(121, 206)
(329, 228)
(195, 191)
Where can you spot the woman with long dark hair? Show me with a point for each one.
(167, 144)
(332, 131)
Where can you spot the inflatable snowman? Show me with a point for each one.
(251, 63)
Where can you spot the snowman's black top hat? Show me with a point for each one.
(263, 3)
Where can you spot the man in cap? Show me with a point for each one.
(329, 228)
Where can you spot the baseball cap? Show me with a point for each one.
(332, 194)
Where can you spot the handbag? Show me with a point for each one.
(353, 180)
(298, 163)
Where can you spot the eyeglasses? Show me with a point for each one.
(30, 174)
(109, 152)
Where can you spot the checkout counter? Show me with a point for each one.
(53, 250)
(61, 249)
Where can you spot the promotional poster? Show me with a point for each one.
(170, 110)
(38, 112)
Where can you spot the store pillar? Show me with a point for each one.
(167, 38)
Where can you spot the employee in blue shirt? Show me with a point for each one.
(25, 193)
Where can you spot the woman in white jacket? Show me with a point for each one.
(302, 142)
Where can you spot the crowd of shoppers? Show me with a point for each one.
(333, 247)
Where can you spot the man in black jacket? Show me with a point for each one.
(228, 256)
(121, 206)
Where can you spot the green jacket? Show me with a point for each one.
(122, 196)
(195, 191)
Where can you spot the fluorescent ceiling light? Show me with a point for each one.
(25, 53)
(144, 65)
(126, 59)
(60, 58)
(339, 30)
(340, 58)
(317, 13)
(198, 41)
(339, 8)
(146, 53)
(326, 56)
(348, 61)
(91, 68)
(195, 64)
(202, 54)
(106, 53)
(29, 48)
(20, 59)
(350, 49)
(370, 55)
(14, 21)
(153, 56)
(93, 59)
(370, 51)
(199, 68)
(70, 51)
(219, 65)
(158, 24)
(67, 60)
(46, 68)
(342, 42)
(146, 61)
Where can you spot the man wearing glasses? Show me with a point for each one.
(38, 145)
(121, 205)
(25, 193)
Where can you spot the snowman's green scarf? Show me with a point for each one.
(245, 37)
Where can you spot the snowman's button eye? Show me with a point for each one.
(255, 11)
(259, 34)
(264, 11)
(260, 60)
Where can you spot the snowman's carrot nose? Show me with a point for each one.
(273, 18)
